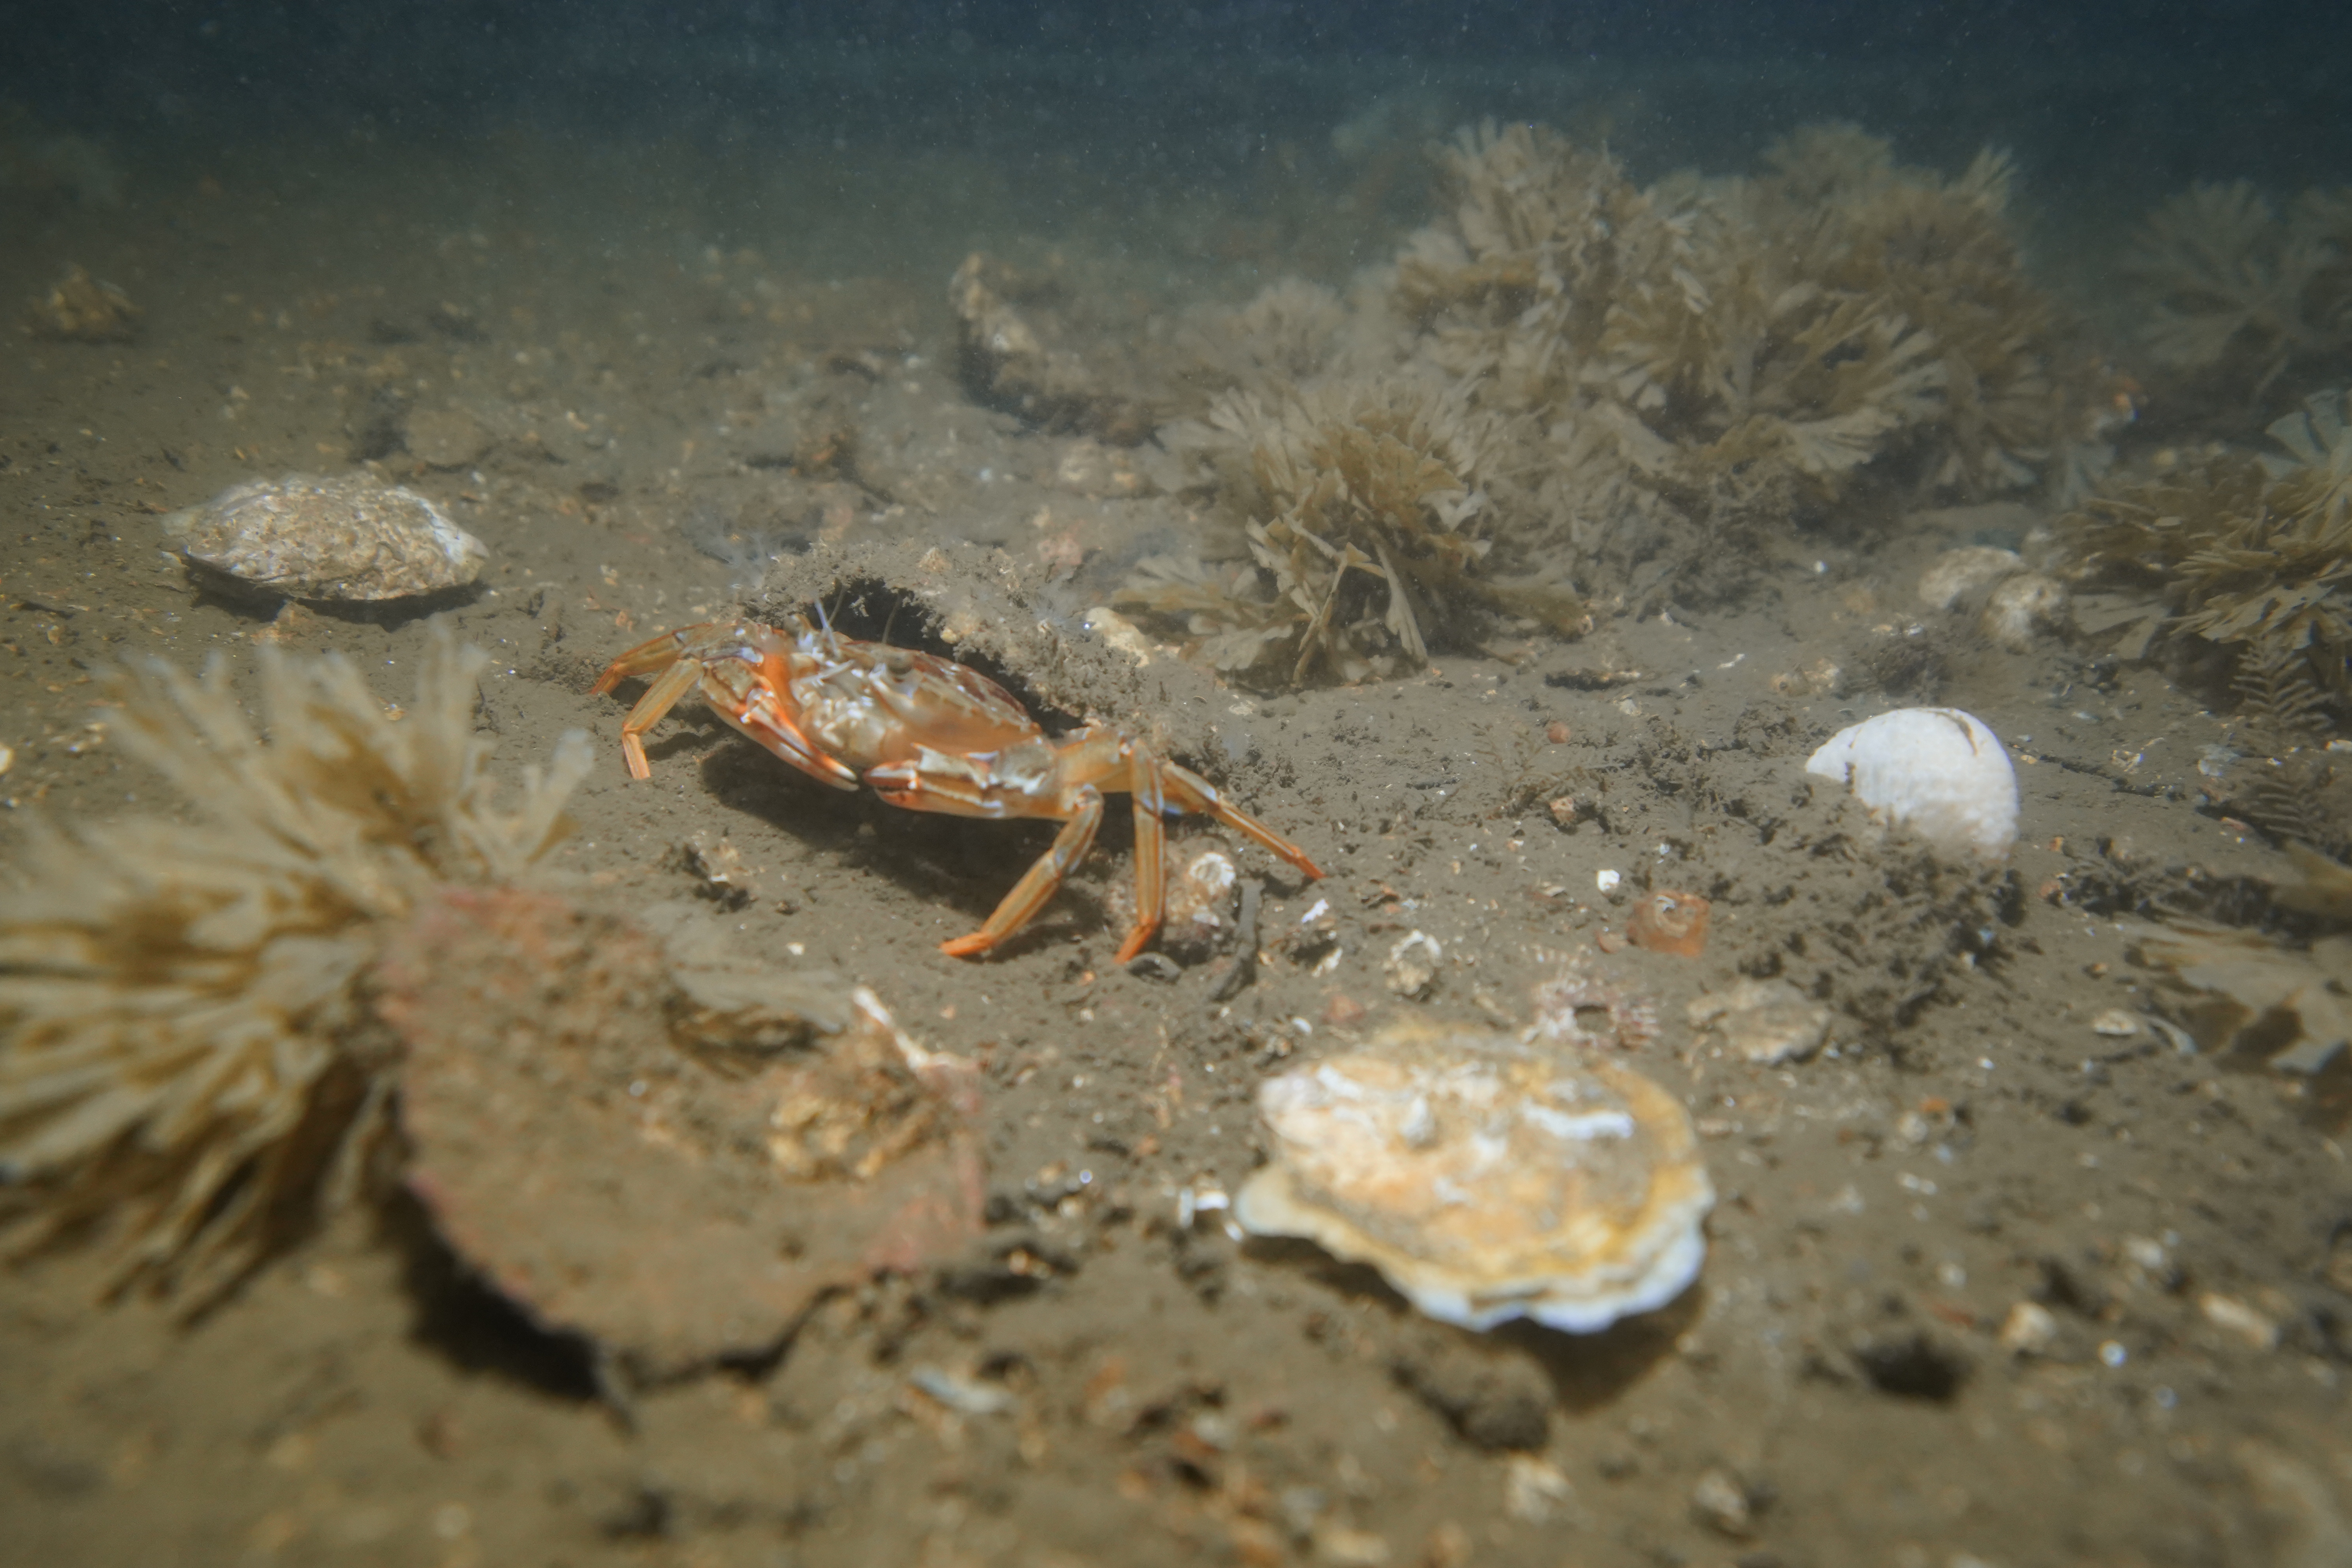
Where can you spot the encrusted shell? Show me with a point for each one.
(349, 537)
(1487, 1176)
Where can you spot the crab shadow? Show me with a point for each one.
(260, 606)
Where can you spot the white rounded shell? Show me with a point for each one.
(349, 537)
(1936, 771)
(1488, 1177)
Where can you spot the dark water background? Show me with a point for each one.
(2116, 98)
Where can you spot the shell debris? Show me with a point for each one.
(1412, 964)
(1668, 922)
(351, 536)
(1487, 1176)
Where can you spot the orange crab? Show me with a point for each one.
(928, 734)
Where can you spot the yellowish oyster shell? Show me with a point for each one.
(349, 537)
(1487, 1176)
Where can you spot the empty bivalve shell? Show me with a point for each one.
(1487, 1176)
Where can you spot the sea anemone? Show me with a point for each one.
(184, 1030)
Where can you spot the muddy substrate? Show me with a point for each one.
(1985, 1284)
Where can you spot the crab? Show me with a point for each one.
(930, 734)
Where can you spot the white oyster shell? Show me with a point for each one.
(351, 536)
(1487, 1176)
(1936, 771)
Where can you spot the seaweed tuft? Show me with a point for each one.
(1571, 390)
(1372, 509)
(2249, 557)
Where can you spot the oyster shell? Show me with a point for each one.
(1487, 1176)
(349, 537)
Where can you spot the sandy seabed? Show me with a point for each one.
(620, 399)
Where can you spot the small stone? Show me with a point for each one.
(1721, 1501)
(1823, 677)
(2117, 1023)
(2029, 1330)
(2238, 1320)
(2022, 609)
(1963, 573)
(963, 1395)
(1535, 1490)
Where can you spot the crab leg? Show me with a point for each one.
(1147, 773)
(659, 698)
(1187, 791)
(663, 652)
(1039, 882)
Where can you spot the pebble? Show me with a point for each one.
(1721, 1502)
(1763, 1021)
(2238, 1320)
(1957, 574)
(2029, 1330)
(1535, 1490)
(2024, 607)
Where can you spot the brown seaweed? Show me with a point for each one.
(1370, 507)
(1569, 387)
(2238, 293)
(2251, 555)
